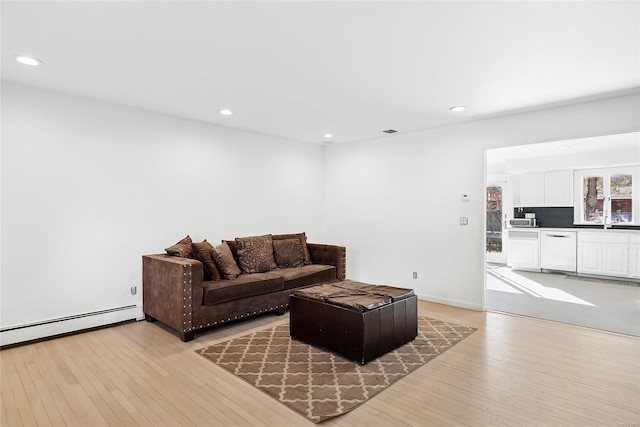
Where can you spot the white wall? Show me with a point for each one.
(395, 202)
(88, 187)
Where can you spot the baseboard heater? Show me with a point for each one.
(64, 325)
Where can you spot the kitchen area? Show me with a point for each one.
(563, 220)
(545, 234)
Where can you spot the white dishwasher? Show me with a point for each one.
(558, 250)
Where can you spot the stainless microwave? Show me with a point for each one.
(523, 222)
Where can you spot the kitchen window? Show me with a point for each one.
(606, 196)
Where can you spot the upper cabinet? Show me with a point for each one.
(552, 189)
(558, 188)
(532, 189)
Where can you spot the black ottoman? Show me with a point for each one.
(356, 320)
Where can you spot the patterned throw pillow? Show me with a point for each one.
(202, 252)
(306, 257)
(181, 249)
(223, 257)
(288, 253)
(255, 254)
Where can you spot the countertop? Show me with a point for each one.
(590, 230)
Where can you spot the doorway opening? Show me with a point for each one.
(568, 297)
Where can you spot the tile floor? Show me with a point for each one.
(609, 305)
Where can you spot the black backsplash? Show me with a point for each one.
(548, 217)
(560, 218)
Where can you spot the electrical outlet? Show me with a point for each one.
(415, 274)
(134, 290)
(464, 220)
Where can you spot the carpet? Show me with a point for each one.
(319, 384)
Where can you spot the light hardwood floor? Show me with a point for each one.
(513, 371)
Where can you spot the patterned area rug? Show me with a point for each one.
(319, 384)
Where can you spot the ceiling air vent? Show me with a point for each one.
(389, 131)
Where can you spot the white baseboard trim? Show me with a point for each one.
(64, 325)
(453, 302)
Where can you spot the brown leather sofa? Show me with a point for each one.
(176, 293)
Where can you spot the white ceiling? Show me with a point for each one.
(594, 152)
(301, 69)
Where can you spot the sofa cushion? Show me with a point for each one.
(227, 264)
(181, 249)
(245, 285)
(202, 252)
(303, 241)
(255, 254)
(288, 253)
(307, 275)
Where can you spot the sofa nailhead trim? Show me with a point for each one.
(187, 289)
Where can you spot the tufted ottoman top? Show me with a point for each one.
(355, 295)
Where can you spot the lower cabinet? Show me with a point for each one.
(524, 250)
(634, 256)
(589, 257)
(603, 253)
(616, 259)
(599, 253)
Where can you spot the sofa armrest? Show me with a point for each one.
(171, 290)
(330, 255)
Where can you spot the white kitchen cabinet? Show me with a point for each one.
(524, 250)
(589, 257)
(616, 259)
(553, 189)
(634, 256)
(558, 188)
(603, 253)
(532, 189)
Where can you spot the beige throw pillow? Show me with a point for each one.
(202, 252)
(223, 257)
(181, 249)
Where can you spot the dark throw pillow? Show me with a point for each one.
(306, 258)
(202, 252)
(288, 253)
(181, 249)
(224, 258)
(255, 254)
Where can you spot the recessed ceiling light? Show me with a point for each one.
(26, 60)
(327, 135)
(226, 112)
(564, 147)
(458, 108)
